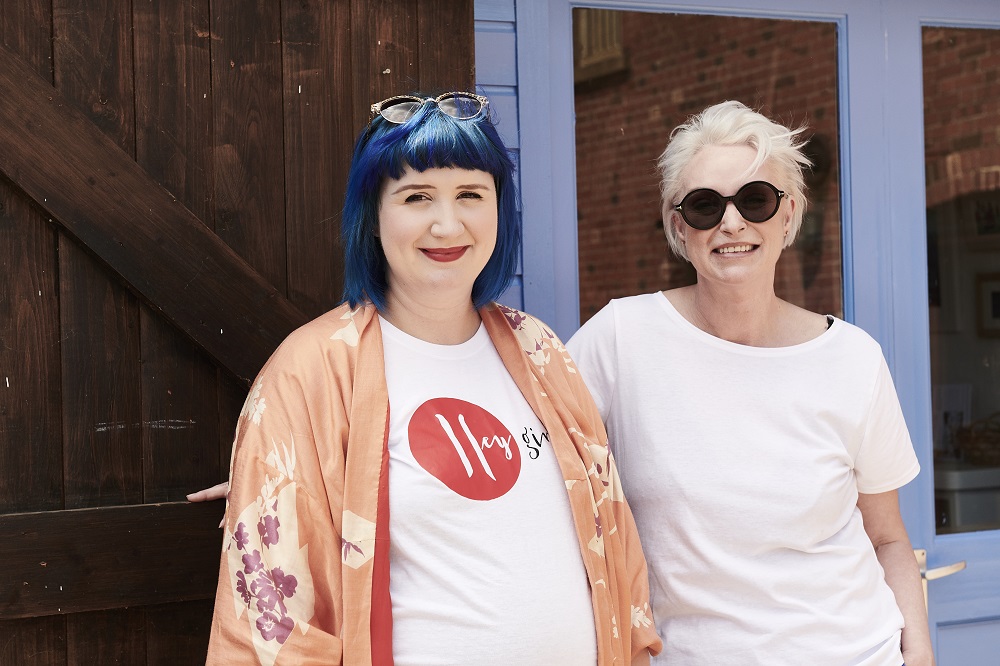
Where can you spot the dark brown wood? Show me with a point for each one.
(180, 427)
(26, 29)
(178, 633)
(100, 318)
(30, 398)
(232, 395)
(384, 54)
(107, 637)
(442, 66)
(173, 99)
(92, 55)
(249, 176)
(319, 136)
(60, 562)
(92, 59)
(31, 408)
(180, 417)
(30, 401)
(36, 641)
(107, 201)
(100, 345)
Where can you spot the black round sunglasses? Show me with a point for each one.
(757, 201)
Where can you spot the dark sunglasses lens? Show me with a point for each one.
(702, 209)
(462, 107)
(757, 202)
(400, 112)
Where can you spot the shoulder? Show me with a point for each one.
(525, 327)
(628, 308)
(856, 340)
(331, 339)
(619, 313)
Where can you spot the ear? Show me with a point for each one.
(672, 217)
(680, 227)
(792, 205)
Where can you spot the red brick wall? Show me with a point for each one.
(962, 133)
(678, 65)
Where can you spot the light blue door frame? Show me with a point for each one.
(885, 254)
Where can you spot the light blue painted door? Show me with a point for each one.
(884, 231)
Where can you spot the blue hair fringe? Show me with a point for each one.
(430, 139)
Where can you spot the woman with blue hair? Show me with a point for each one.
(420, 475)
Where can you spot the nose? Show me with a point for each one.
(447, 221)
(732, 220)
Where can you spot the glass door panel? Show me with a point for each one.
(961, 70)
(637, 76)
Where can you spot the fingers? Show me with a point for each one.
(217, 491)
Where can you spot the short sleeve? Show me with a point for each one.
(593, 349)
(885, 460)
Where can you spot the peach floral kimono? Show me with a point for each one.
(304, 575)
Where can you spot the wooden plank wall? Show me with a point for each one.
(246, 112)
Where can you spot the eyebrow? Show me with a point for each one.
(424, 186)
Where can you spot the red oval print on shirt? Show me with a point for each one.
(465, 447)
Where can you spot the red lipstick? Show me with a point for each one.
(445, 254)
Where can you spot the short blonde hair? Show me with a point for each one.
(732, 123)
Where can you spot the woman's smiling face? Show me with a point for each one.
(438, 230)
(734, 251)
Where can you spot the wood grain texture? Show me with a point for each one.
(30, 390)
(107, 637)
(37, 641)
(100, 345)
(96, 192)
(247, 134)
(319, 137)
(99, 317)
(443, 66)
(30, 400)
(26, 29)
(178, 633)
(384, 53)
(180, 417)
(61, 562)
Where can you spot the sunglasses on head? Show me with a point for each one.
(458, 105)
(704, 208)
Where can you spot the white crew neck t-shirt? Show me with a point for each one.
(742, 466)
(485, 563)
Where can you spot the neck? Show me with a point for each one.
(442, 323)
(739, 314)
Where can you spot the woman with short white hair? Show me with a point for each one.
(760, 445)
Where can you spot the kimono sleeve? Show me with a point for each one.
(279, 595)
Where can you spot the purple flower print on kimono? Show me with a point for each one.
(272, 584)
(268, 529)
(537, 341)
(274, 627)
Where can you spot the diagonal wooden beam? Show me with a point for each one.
(100, 196)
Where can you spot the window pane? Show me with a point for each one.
(962, 143)
(638, 75)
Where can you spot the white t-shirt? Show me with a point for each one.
(485, 563)
(742, 466)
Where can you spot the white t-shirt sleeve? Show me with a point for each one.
(885, 460)
(594, 349)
